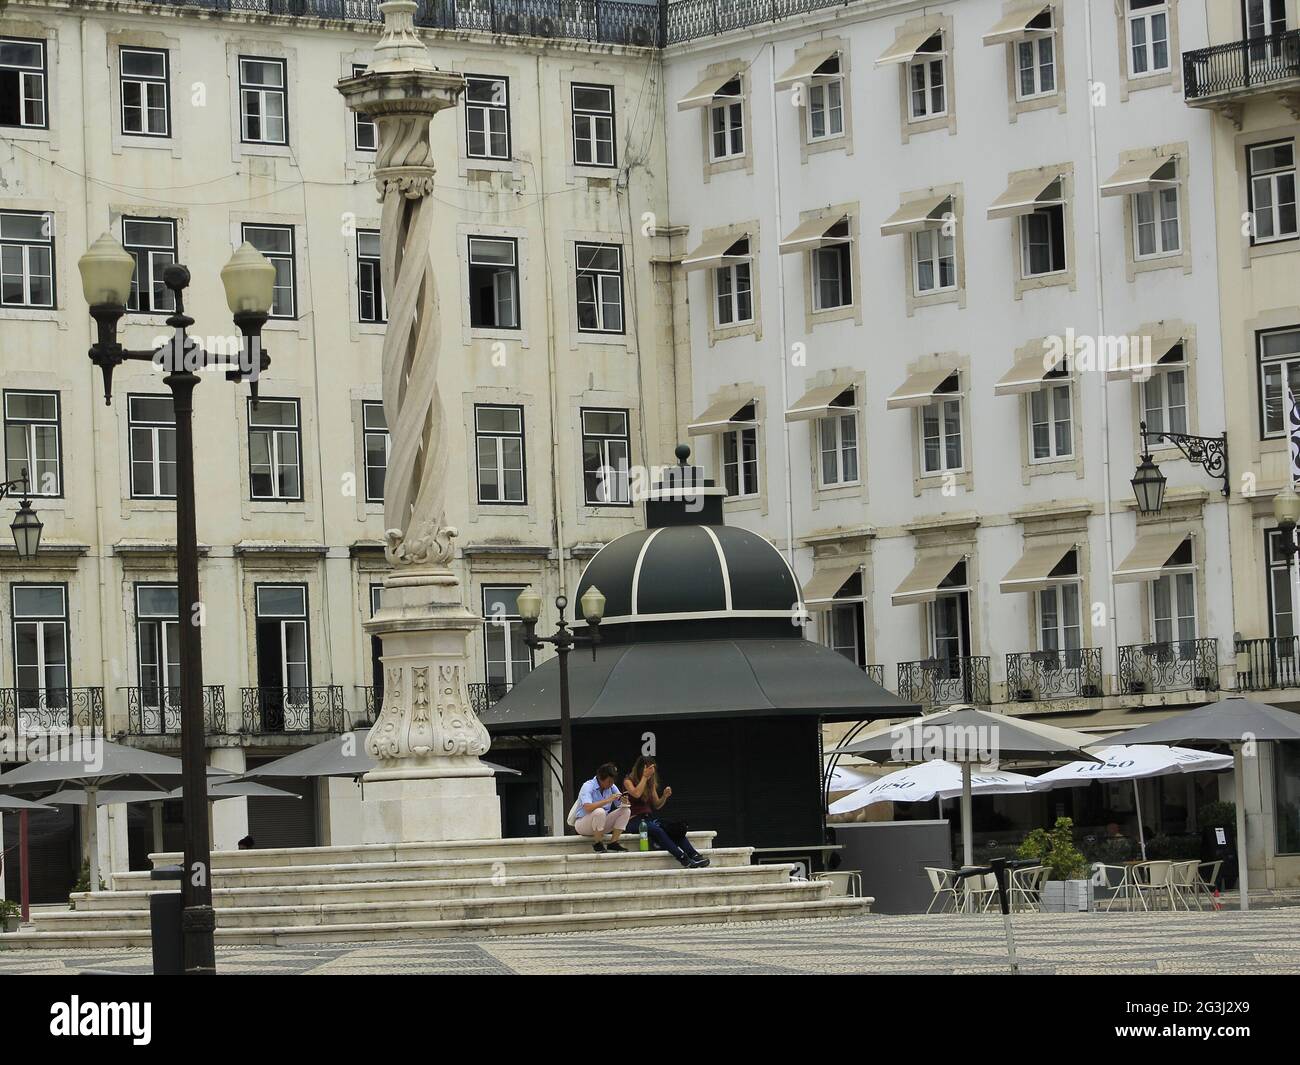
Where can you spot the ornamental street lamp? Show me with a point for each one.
(1286, 511)
(248, 278)
(1210, 452)
(564, 640)
(26, 526)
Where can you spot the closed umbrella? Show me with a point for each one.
(1133, 763)
(1234, 721)
(931, 780)
(971, 738)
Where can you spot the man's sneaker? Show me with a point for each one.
(698, 862)
(615, 847)
(599, 848)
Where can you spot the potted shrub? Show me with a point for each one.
(10, 915)
(1218, 821)
(1068, 886)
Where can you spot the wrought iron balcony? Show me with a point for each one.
(41, 711)
(273, 711)
(1176, 665)
(876, 673)
(1225, 73)
(936, 682)
(370, 701)
(481, 696)
(1069, 674)
(157, 711)
(1271, 662)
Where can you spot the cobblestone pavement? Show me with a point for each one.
(1266, 941)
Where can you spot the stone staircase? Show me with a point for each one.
(433, 890)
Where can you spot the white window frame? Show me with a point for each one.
(278, 259)
(504, 624)
(143, 84)
(276, 434)
(732, 284)
(943, 247)
(1048, 395)
(604, 287)
(496, 438)
(155, 430)
(1284, 364)
(1146, 16)
(151, 260)
(600, 127)
(500, 270)
(370, 281)
(1182, 585)
(1027, 244)
(732, 448)
(33, 84)
(1160, 202)
(1158, 412)
(613, 470)
(32, 429)
(832, 440)
(1273, 178)
(39, 623)
(1067, 612)
(729, 108)
(1038, 63)
(485, 113)
(27, 247)
(363, 122)
(374, 429)
(826, 100)
(263, 92)
(843, 277)
(944, 404)
(926, 63)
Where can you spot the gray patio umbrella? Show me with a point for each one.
(343, 756)
(12, 802)
(970, 737)
(92, 763)
(1234, 721)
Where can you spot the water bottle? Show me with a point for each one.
(645, 836)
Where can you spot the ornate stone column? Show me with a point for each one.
(430, 783)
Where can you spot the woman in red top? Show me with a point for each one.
(642, 787)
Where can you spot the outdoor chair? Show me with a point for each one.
(944, 885)
(981, 892)
(1151, 882)
(1116, 879)
(845, 883)
(1182, 884)
(1205, 882)
(1025, 887)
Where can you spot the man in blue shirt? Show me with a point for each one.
(602, 808)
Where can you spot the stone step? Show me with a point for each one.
(557, 864)
(495, 886)
(97, 939)
(419, 910)
(487, 849)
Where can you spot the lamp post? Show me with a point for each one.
(248, 278)
(564, 641)
(1210, 452)
(26, 526)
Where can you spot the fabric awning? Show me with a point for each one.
(713, 253)
(805, 67)
(720, 418)
(906, 46)
(1015, 26)
(1027, 375)
(820, 591)
(1027, 195)
(1142, 175)
(1150, 557)
(922, 584)
(705, 92)
(816, 403)
(1142, 363)
(813, 234)
(919, 389)
(925, 213)
(1034, 570)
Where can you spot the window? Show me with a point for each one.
(157, 635)
(927, 82)
(263, 101)
(1264, 19)
(832, 271)
(377, 444)
(40, 618)
(1286, 791)
(600, 288)
(949, 618)
(593, 124)
(837, 442)
(276, 243)
(1164, 394)
(1148, 37)
(370, 290)
(845, 628)
(727, 123)
(935, 256)
(1272, 192)
(32, 443)
(376, 655)
(1051, 429)
(733, 289)
(499, 446)
(493, 283)
(283, 662)
(152, 244)
(274, 450)
(1042, 241)
(826, 101)
(1173, 609)
(26, 259)
(1281, 615)
(740, 456)
(22, 83)
(365, 131)
(151, 430)
(1279, 369)
(1155, 224)
(146, 106)
(487, 117)
(1060, 626)
(941, 431)
(506, 657)
(1036, 61)
(606, 450)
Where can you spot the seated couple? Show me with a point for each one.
(602, 808)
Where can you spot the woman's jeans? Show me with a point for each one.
(660, 840)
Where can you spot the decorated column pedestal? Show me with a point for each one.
(429, 784)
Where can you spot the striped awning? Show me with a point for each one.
(922, 585)
(1151, 558)
(1034, 570)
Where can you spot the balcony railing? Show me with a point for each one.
(38, 711)
(1176, 665)
(1272, 662)
(369, 702)
(1067, 674)
(1240, 67)
(272, 711)
(937, 682)
(481, 696)
(876, 673)
(157, 711)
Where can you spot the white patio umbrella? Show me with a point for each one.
(847, 778)
(931, 780)
(1133, 763)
